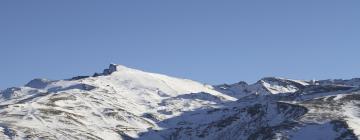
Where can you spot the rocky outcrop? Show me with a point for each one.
(38, 83)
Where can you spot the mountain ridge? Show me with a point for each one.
(125, 103)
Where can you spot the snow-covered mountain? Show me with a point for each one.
(125, 103)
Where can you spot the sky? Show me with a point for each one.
(214, 42)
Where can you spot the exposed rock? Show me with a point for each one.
(38, 83)
(124, 103)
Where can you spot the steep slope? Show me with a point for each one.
(265, 86)
(120, 103)
(124, 103)
(312, 115)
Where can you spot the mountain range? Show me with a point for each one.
(122, 103)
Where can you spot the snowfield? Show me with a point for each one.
(124, 103)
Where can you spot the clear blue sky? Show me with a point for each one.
(205, 40)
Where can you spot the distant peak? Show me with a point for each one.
(277, 79)
(113, 68)
(38, 83)
(117, 67)
(273, 78)
(242, 83)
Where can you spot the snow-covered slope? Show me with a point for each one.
(120, 102)
(265, 86)
(125, 103)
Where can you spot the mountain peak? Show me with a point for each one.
(38, 83)
(115, 67)
(126, 103)
(272, 79)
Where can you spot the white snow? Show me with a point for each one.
(128, 102)
(116, 104)
(352, 114)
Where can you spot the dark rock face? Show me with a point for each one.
(10, 92)
(112, 68)
(38, 83)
